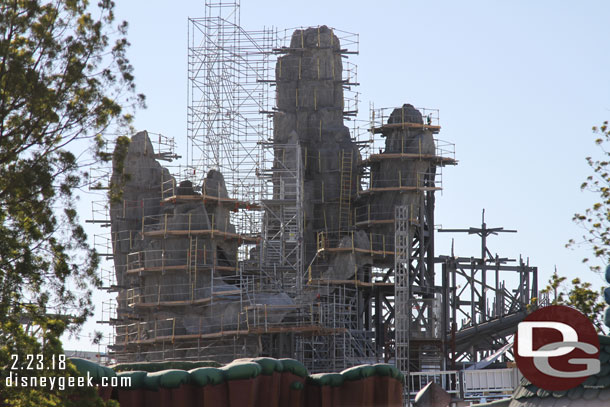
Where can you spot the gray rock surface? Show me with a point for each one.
(310, 111)
(402, 173)
(202, 306)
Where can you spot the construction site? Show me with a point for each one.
(294, 229)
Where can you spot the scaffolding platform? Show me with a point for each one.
(350, 42)
(212, 233)
(194, 259)
(183, 303)
(161, 226)
(345, 242)
(230, 202)
(171, 194)
(398, 189)
(406, 125)
(303, 330)
(437, 159)
(356, 283)
(183, 267)
(383, 253)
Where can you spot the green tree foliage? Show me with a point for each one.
(64, 79)
(587, 300)
(596, 219)
(553, 290)
(579, 295)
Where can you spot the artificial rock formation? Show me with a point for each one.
(176, 250)
(412, 175)
(174, 277)
(310, 113)
(142, 188)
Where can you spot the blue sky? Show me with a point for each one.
(519, 85)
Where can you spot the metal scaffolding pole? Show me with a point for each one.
(402, 317)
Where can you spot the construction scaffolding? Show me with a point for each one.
(395, 205)
(229, 71)
(288, 233)
(282, 234)
(209, 257)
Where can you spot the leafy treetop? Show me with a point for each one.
(596, 219)
(64, 79)
(579, 295)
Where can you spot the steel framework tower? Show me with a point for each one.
(228, 72)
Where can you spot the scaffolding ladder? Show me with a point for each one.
(402, 288)
(192, 265)
(346, 190)
(283, 219)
